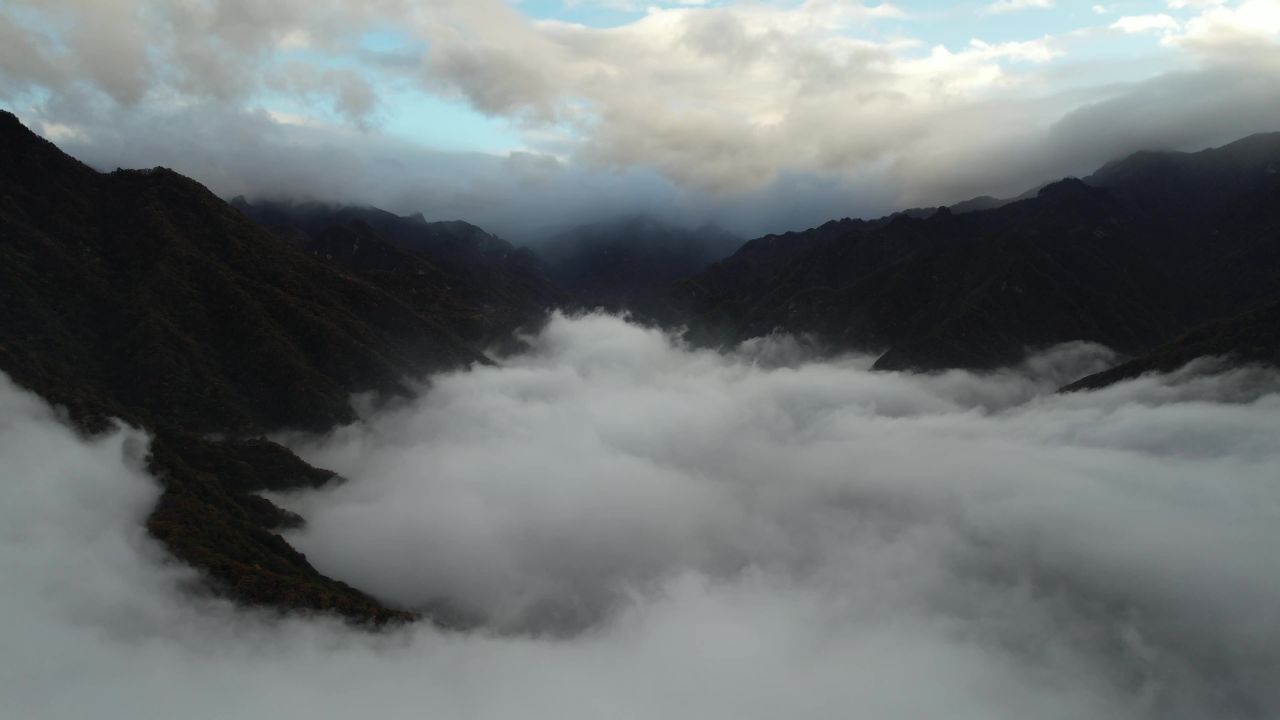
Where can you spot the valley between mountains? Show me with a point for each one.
(139, 297)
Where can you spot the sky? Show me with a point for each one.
(758, 536)
(525, 116)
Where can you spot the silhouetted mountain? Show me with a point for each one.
(628, 263)
(1139, 253)
(1251, 338)
(982, 202)
(140, 295)
(436, 262)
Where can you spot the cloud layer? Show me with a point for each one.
(767, 116)
(667, 533)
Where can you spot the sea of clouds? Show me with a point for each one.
(641, 530)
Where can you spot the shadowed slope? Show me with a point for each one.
(1251, 338)
(1132, 257)
(478, 285)
(628, 263)
(142, 296)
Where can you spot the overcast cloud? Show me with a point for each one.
(765, 115)
(654, 532)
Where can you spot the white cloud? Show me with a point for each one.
(744, 540)
(724, 98)
(60, 133)
(719, 99)
(142, 54)
(633, 5)
(1008, 6)
(1243, 28)
(737, 109)
(1145, 23)
(1041, 50)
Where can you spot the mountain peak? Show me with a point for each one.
(1065, 188)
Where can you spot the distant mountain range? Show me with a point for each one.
(628, 264)
(140, 295)
(623, 264)
(496, 285)
(1144, 250)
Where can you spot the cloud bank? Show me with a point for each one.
(763, 116)
(656, 532)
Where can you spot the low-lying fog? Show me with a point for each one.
(651, 532)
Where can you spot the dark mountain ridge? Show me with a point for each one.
(627, 263)
(1135, 255)
(140, 295)
(451, 259)
(1252, 338)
